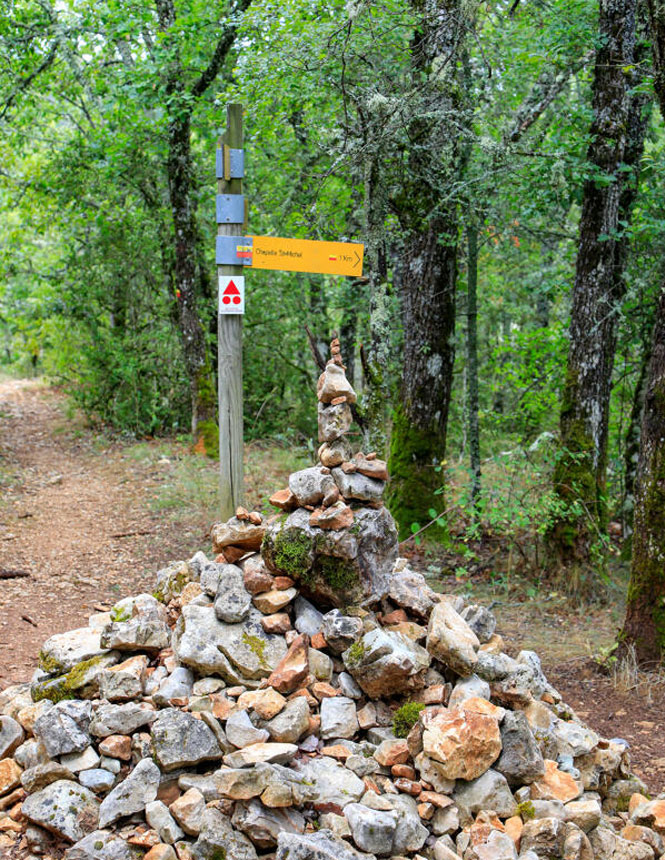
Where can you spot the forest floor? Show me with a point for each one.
(88, 518)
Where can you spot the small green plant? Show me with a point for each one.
(406, 717)
(356, 652)
(526, 810)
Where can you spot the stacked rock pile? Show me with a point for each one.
(306, 695)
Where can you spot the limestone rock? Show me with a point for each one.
(64, 728)
(132, 794)
(480, 620)
(262, 752)
(11, 736)
(263, 825)
(293, 668)
(137, 634)
(269, 602)
(188, 811)
(63, 651)
(334, 421)
(180, 740)
(469, 688)
(335, 453)
(354, 485)
(520, 761)
(338, 718)
(333, 383)
(555, 784)
(232, 600)
(235, 532)
(241, 732)
(336, 516)
(124, 681)
(385, 663)
(464, 741)
(322, 845)
(101, 845)
(97, 779)
(372, 830)
(10, 776)
(160, 819)
(291, 723)
(489, 791)
(340, 631)
(121, 719)
(266, 703)
(178, 685)
(333, 782)
(409, 590)
(63, 808)
(309, 486)
(38, 777)
(451, 640)
(218, 838)
(237, 652)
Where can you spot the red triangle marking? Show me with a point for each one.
(231, 290)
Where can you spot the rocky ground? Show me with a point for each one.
(224, 662)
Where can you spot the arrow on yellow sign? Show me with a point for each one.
(303, 255)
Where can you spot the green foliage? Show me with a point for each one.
(405, 718)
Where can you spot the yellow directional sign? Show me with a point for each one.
(302, 255)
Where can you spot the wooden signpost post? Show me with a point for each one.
(236, 252)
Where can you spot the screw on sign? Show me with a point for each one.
(231, 294)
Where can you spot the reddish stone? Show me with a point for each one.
(348, 467)
(404, 771)
(144, 838)
(305, 693)
(222, 708)
(371, 456)
(255, 518)
(337, 400)
(168, 792)
(314, 726)
(318, 641)
(556, 784)
(292, 670)
(437, 694)
(242, 513)
(231, 554)
(338, 751)
(284, 500)
(337, 516)
(323, 690)
(392, 752)
(117, 746)
(256, 578)
(408, 786)
(281, 583)
(372, 468)
(397, 616)
(441, 801)
(279, 622)
(328, 807)
(426, 810)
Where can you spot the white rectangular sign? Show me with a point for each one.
(231, 294)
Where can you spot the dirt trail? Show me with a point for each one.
(64, 499)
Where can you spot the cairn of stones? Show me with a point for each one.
(304, 694)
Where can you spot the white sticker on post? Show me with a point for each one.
(231, 294)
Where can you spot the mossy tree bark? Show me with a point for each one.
(644, 625)
(579, 476)
(428, 262)
(189, 283)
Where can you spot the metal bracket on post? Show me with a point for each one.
(234, 250)
(230, 208)
(229, 163)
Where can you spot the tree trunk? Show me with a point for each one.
(580, 473)
(644, 626)
(632, 451)
(472, 360)
(187, 274)
(428, 266)
(377, 358)
(197, 358)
